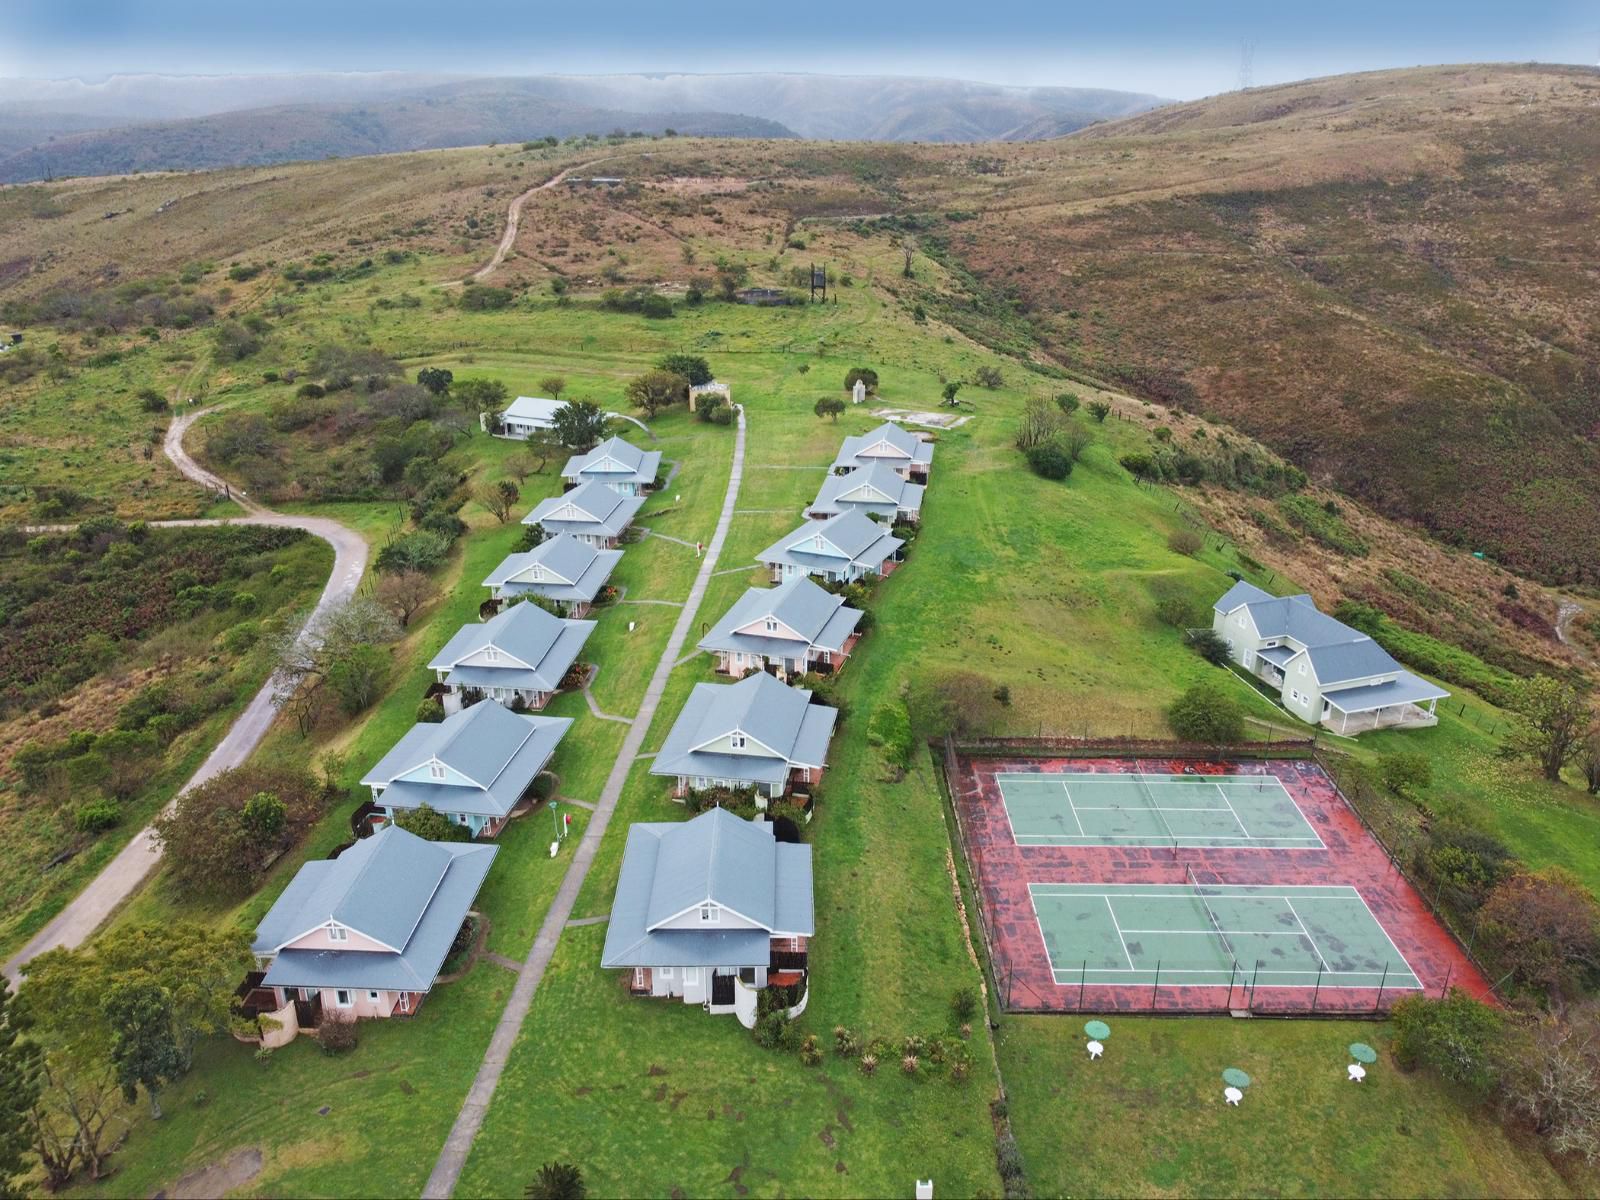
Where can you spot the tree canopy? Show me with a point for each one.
(658, 389)
(580, 424)
(222, 836)
(691, 366)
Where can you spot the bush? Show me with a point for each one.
(845, 1043)
(152, 401)
(476, 297)
(1207, 715)
(1405, 772)
(1544, 928)
(1551, 1079)
(1463, 864)
(336, 1037)
(964, 1005)
(214, 841)
(1188, 542)
(1068, 402)
(1455, 1037)
(1326, 527)
(1049, 460)
(952, 702)
(774, 1031)
(810, 1052)
(865, 374)
(431, 825)
(430, 711)
(1099, 410)
(869, 1064)
(96, 816)
(691, 366)
(989, 377)
(656, 306)
(1211, 646)
(890, 729)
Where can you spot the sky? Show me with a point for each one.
(1179, 49)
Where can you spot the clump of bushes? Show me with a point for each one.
(1207, 715)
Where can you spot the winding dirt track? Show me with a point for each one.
(87, 911)
(514, 217)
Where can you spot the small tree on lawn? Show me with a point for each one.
(480, 395)
(520, 465)
(357, 678)
(1457, 1037)
(949, 392)
(553, 386)
(691, 366)
(557, 1181)
(1099, 410)
(655, 390)
(1552, 716)
(955, 702)
(580, 424)
(143, 1049)
(498, 497)
(1550, 1077)
(403, 593)
(1041, 421)
(829, 406)
(864, 374)
(1544, 927)
(1207, 715)
(436, 379)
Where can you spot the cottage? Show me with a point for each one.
(712, 911)
(875, 491)
(520, 654)
(787, 630)
(757, 733)
(590, 512)
(619, 465)
(474, 767)
(528, 415)
(1326, 672)
(841, 549)
(565, 570)
(906, 453)
(364, 934)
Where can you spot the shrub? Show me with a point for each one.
(865, 374)
(954, 702)
(1008, 1158)
(773, 1031)
(1099, 410)
(96, 816)
(908, 1064)
(557, 1181)
(1188, 542)
(810, 1052)
(478, 298)
(336, 1037)
(989, 377)
(1050, 461)
(1405, 772)
(1551, 1079)
(1455, 1037)
(431, 825)
(430, 711)
(1211, 646)
(1545, 929)
(1207, 715)
(1140, 465)
(964, 1004)
(1464, 864)
(1328, 528)
(869, 1064)
(691, 366)
(845, 1043)
(890, 729)
(152, 401)
(656, 306)
(1068, 402)
(215, 842)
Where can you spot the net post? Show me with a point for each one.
(1251, 1003)
(1317, 991)
(1156, 986)
(1083, 978)
(1378, 1003)
(1233, 973)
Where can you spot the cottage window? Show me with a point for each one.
(536, 573)
(772, 625)
(691, 977)
(492, 654)
(818, 540)
(342, 998)
(436, 770)
(710, 914)
(338, 933)
(665, 973)
(736, 740)
(372, 996)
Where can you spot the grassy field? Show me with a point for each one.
(1045, 588)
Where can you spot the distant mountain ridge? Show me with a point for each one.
(54, 128)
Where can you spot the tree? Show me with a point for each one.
(1099, 410)
(21, 1068)
(580, 424)
(498, 498)
(215, 848)
(1405, 772)
(436, 379)
(1074, 439)
(1185, 541)
(1212, 646)
(357, 678)
(1550, 1077)
(865, 374)
(1205, 714)
(655, 390)
(731, 276)
(1552, 716)
(403, 593)
(1545, 929)
(1456, 1037)
(304, 663)
(417, 550)
(691, 366)
(520, 465)
(1041, 421)
(1589, 759)
(949, 392)
(557, 1181)
(1068, 402)
(908, 252)
(143, 1049)
(477, 396)
(554, 385)
(1049, 460)
(989, 377)
(829, 406)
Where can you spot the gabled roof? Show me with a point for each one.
(831, 544)
(534, 408)
(1345, 661)
(569, 569)
(614, 460)
(887, 443)
(1404, 688)
(671, 868)
(588, 508)
(496, 751)
(868, 489)
(799, 605)
(782, 727)
(532, 644)
(392, 887)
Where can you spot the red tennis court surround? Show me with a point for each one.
(1009, 876)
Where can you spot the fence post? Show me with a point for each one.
(1232, 974)
(1378, 1003)
(1317, 991)
(1251, 1002)
(1083, 977)
(1444, 989)
(1156, 986)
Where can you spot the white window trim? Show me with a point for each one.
(347, 1000)
(736, 740)
(665, 972)
(372, 996)
(435, 770)
(710, 914)
(691, 977)
(338, 933)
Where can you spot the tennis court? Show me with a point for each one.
(1216, 935)
(1138, 809)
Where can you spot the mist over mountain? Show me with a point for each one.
(53, 128)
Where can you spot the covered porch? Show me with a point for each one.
(1405, 702)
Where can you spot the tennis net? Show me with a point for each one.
(1151, 803)
(1215, 924)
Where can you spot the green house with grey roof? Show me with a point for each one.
(794, 628)
(1325, 672)
(520, 657)
(712, 911)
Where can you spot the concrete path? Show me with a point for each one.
(580, 922)
(446, 1172)
(667, 537)
(87, 911)
(664, 603)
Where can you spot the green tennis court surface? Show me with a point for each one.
(1184, 811)
(1206, 935)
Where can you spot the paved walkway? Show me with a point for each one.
(447, 1170)
(118, 879)
(579, 922)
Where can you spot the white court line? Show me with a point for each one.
(1120, 938)
(1072, 804)
(1307, 932)
(1224, 932)
(1374, 917)
(1243, 828)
